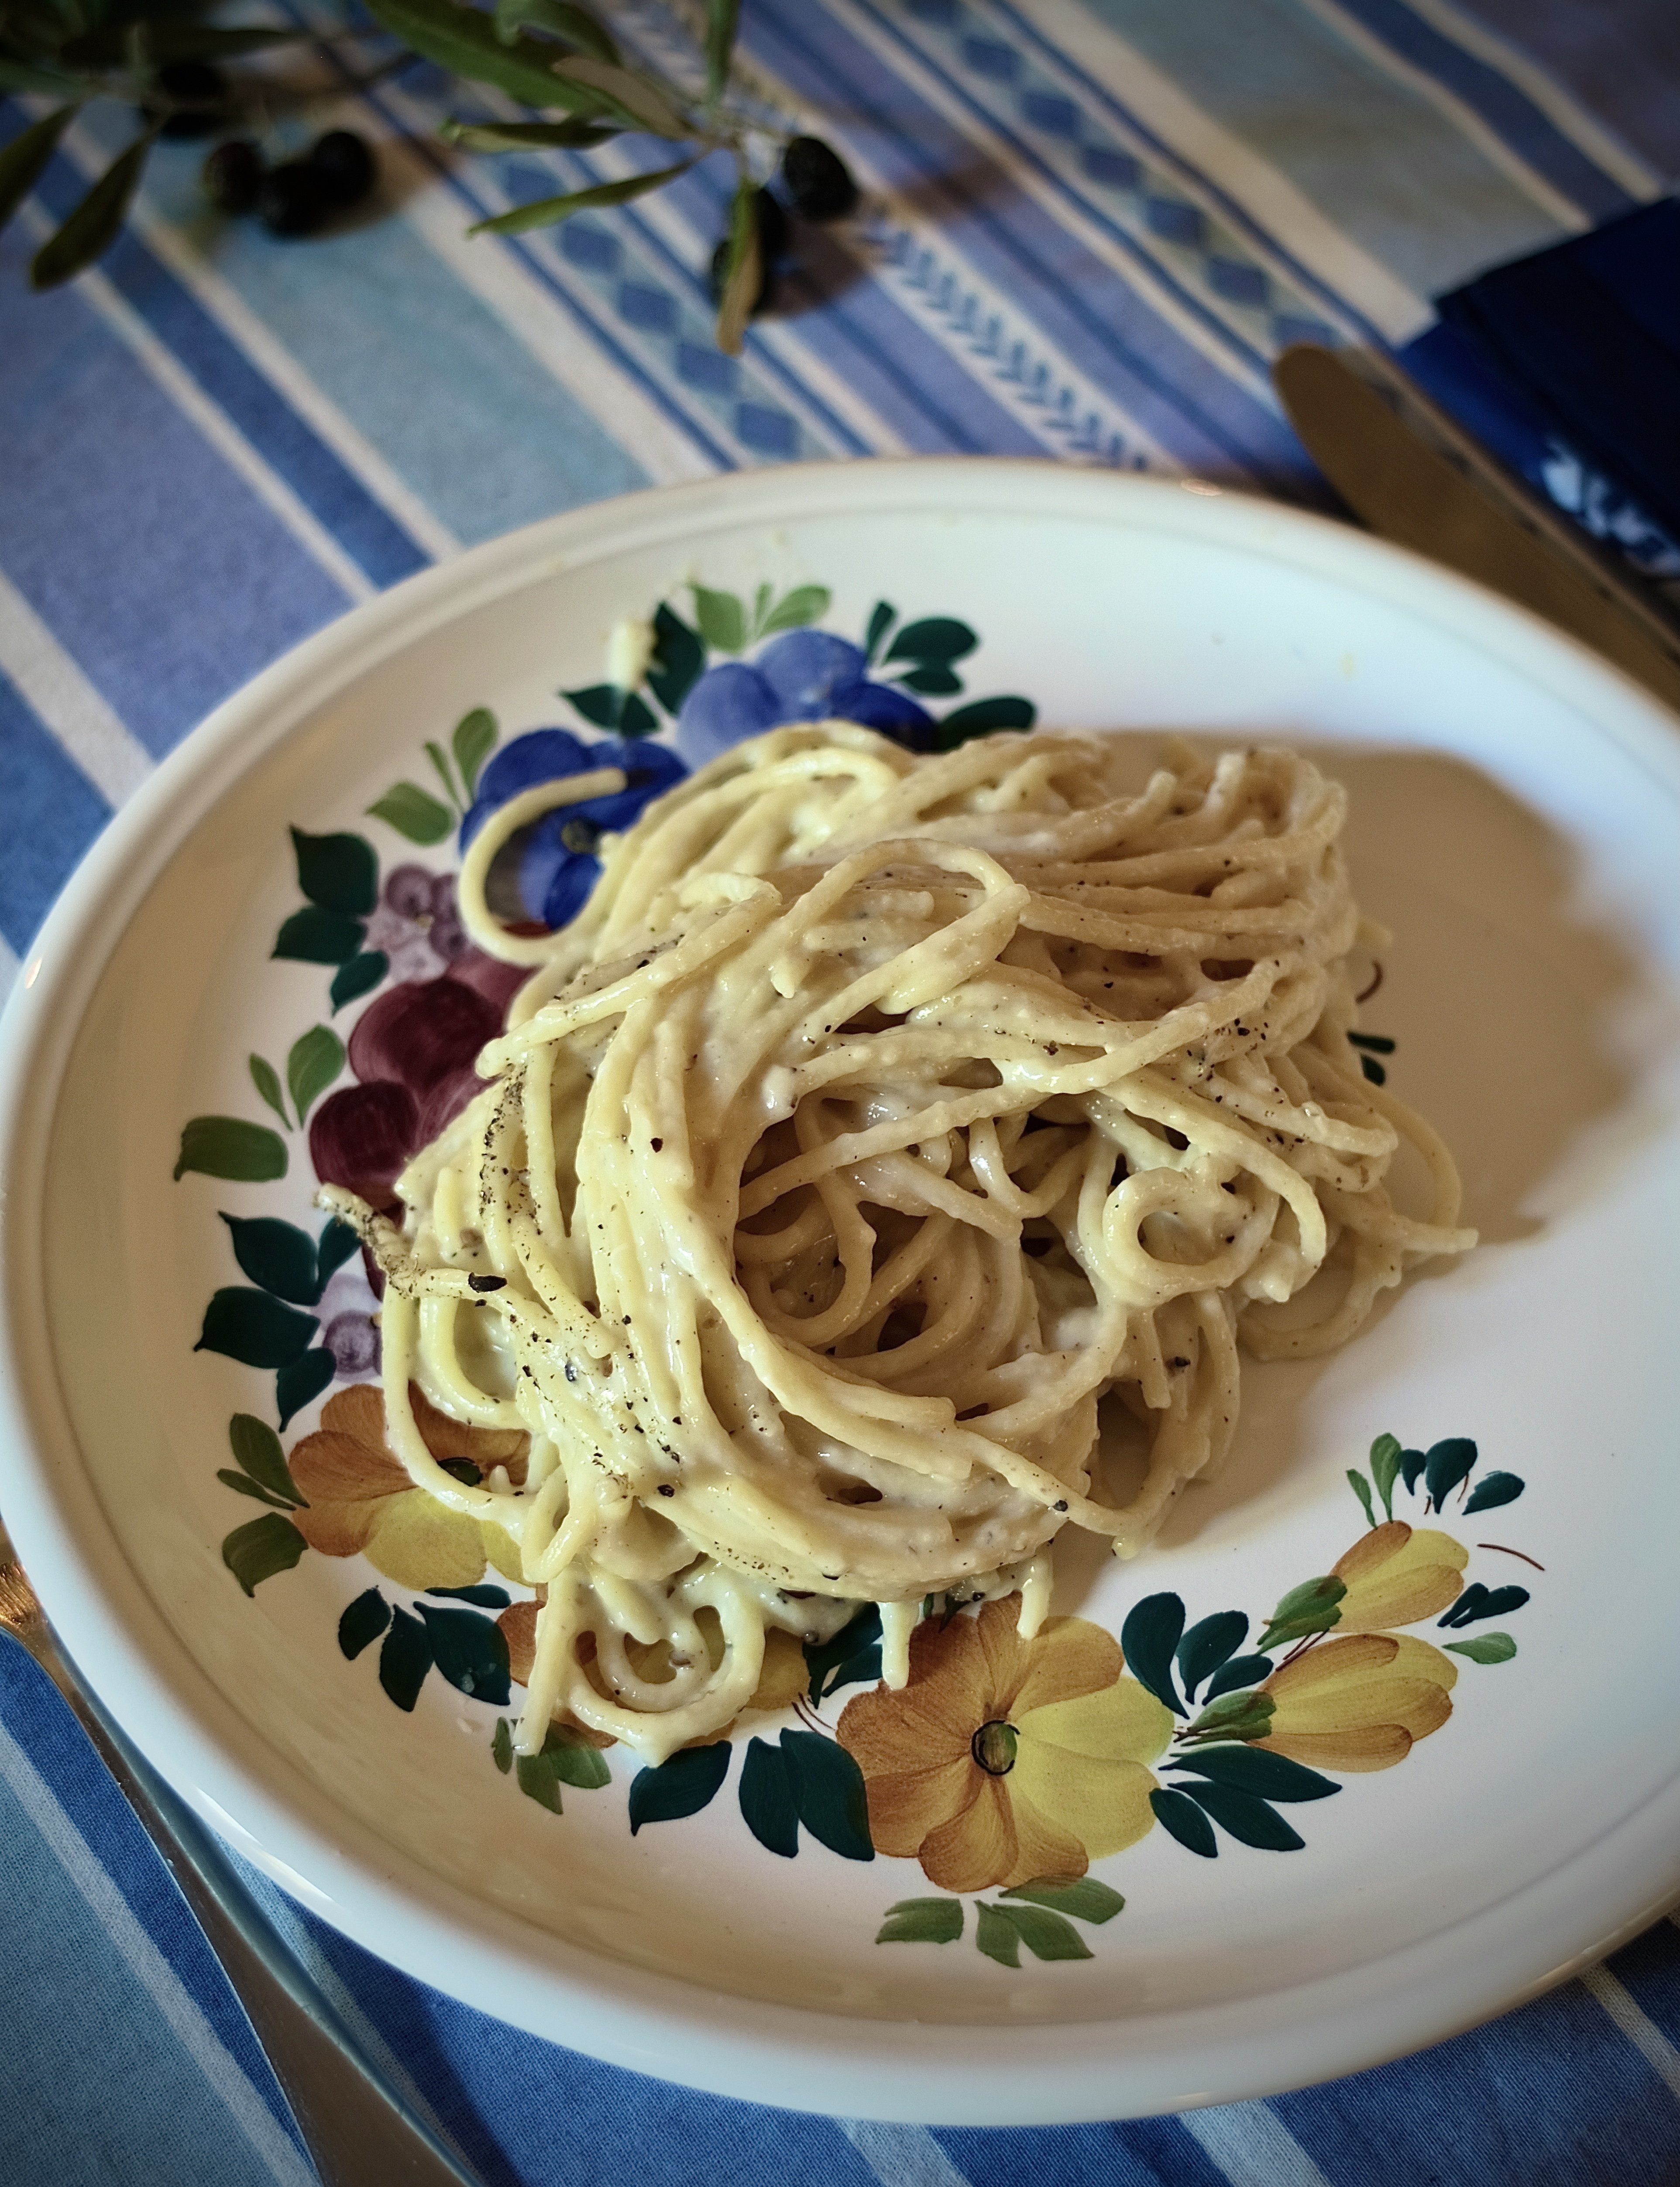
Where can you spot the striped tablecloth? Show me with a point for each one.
(1088, 227)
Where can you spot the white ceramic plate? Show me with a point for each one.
(1513, 823)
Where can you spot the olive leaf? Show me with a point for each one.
(577, 25)
(574, 134)
(466, 41)
(547, 212)
(721, 17)
(743, 270)
(629, 99)
(93, 227)
(26, 156)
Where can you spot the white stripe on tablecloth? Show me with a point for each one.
(276, 365)
(1252, 2146)
(1464, 118)
(8, 968)
(1566, 115)
(1291, 225)
(151, 1969)
(902, 2155)
(184, 391)
(108, 753)
(1641, 2030)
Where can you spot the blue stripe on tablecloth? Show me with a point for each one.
(1080, 305)
(1555, 2094)
(158, 571)
(1649, 1968)
(145, 2062)
(1136, 2153)
(52, 814)
(367, 533)
(1370, 152)
(392, 338)
(1502, 104)
(1623, 63)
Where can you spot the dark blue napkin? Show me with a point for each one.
(1567, 366)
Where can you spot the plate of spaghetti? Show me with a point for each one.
(854, 1283)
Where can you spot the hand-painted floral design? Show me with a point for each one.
(359, 1499)
(1360, 1703)
(1005, 1759)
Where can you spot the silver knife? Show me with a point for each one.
(1409, 474)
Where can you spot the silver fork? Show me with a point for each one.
(357, 2129)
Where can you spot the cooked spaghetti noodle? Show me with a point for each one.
(876, 1120)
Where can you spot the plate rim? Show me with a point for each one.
(391, 1904)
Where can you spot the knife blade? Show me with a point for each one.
(1409, 475)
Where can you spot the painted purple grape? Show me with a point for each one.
(354, 1342)
(408, 892)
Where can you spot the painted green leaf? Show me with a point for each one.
(574, 1761)
(24, 159)
(684, 1785)
(1494, 1489)
(768, 1807)
(1312, 1607)
(480, 1597)
(996, 1935)
(364, 971)
(300, 1381)
(1252, 1769)
(853, 1657)
(265, 1079)
(1083, 1897)
(1152, 1630)
(255, 1329)
(316, 1059)
(1371, 1069)
(94, 224)
(1249, 1819)
(244, 1486)
(1486, 1648)
(472, 742)
(314, 936)
(227, 1146)
(1477, 1602)
(882, 616)
(405, 1659)
(538, 1782)
(807, 603)
(935, 638)
(1241, 1715)
(638, 718)
(721, 618)
(1183, 1819)
(980, 717)
(549, 212)
(1047, 1936)
(932, 680)
(1446, 1464)
(1241, 1671)
(470, 1651)
(678, 658)
(338, 873)
(1362, 1488)
(502, 1746)
(827, 1788)
(362, 1622)
(601, 703)
(922, 1921)
(337, 1242)
(1205, 1646)
(414, 812)
(257, 1451)
(277, 1256)
(256, 1552)
(435, 754)
(1385, 1456)
(1412, 1464)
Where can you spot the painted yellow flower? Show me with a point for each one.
(1005, 1759)
(1359, 1703)
(360, 1498)
(1395, 1577)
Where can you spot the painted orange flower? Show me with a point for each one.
(1359, 1703)
(1003, 1759)
(1395, 1577)
(359, 1497)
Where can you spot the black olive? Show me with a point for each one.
(772, 234)
(345, 166)
(233, 176)
(817, 181)
(194, 98)
(293, 200)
